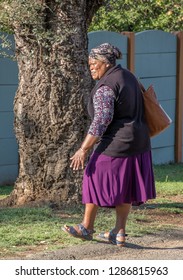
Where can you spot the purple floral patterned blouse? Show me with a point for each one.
(103, 102)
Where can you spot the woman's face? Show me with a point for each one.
(97, 68)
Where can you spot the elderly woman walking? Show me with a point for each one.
(119, 172)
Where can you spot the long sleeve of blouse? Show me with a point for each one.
(103, 102)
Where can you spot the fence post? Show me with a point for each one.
(131, 50)
(179, 99)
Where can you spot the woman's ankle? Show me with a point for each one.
(89, 227)
(117, 230)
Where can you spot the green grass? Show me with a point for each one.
(5, 190)
(169, 179)
(28, 229)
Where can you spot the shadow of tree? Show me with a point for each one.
(167, 205)
(140, 247)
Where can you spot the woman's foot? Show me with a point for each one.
(79, 231)
(120, 239)
(116, 238)
(105, 235)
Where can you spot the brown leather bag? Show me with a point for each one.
(156, 117)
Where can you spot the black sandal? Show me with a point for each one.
(112, 237)
(115, 241)
(83, 233)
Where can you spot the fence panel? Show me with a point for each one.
(8, 145)
(155, 63)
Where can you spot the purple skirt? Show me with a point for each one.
(110, 181)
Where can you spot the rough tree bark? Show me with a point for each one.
(50, 113)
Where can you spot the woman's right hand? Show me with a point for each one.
(78, 159)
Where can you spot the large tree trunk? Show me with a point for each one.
(50, 103)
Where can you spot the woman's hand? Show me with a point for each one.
(78, 159)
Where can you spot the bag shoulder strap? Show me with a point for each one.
(141, 86)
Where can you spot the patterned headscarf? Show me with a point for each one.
(106, 53)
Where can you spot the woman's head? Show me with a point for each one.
(103, 58)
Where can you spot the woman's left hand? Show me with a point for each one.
(78, 160)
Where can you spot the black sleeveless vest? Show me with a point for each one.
(127, 134)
